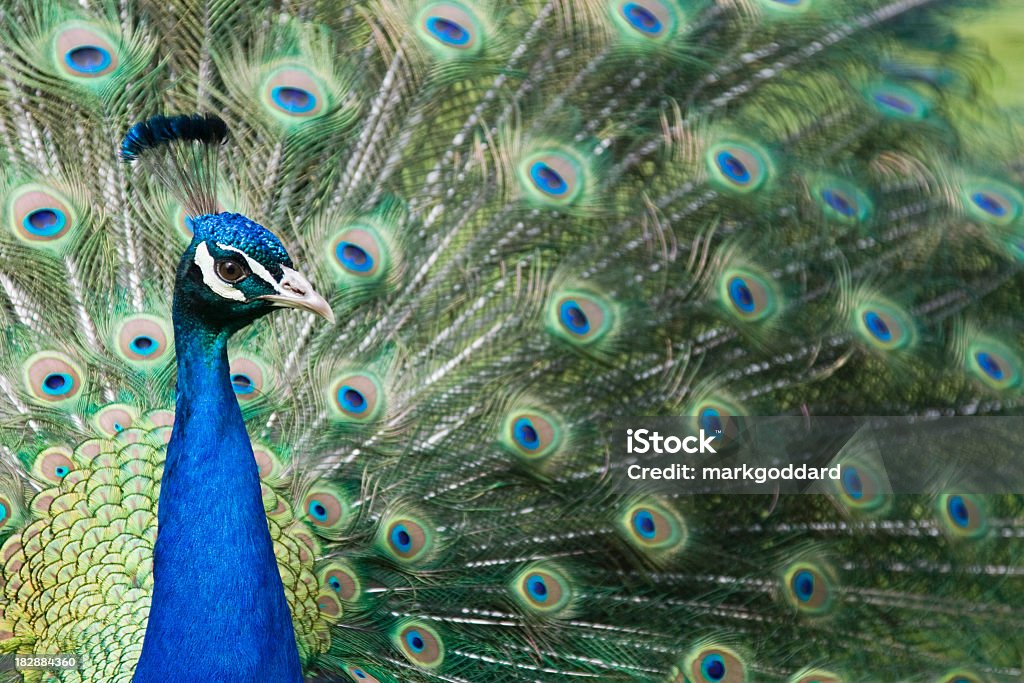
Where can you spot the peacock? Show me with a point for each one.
(322, 319)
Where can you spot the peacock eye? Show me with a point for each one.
(231, 271)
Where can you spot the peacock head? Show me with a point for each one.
(236, 271)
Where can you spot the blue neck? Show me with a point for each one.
(219, 611)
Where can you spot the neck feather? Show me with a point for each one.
(219, 610)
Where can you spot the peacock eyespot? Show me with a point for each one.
(581, 317)
(993, 364)
(750, 296)
(809, 588)
(39, 215)
(359, 255)
(341, 580)
(897, 102)
(719, 419)
(963, 515)
(992, 202)
(715, 664)
(653, 526)
(356, 398)
(420, 644)
(451, 29)
(738, 167)
(361, 675)
(83, 52)
(294, 93)
(53, 465)
(329, 606)
(325, 509)
(113, 419)
(52, 377)
(884, 326)
(531, 434)
(542, 588)
(247, 379)
(230, 270)
(407, 539)
(554, 178)
(142, 339)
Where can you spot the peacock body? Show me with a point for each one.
(530, 224)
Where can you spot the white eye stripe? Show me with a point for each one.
(255, 266)
(205, 262)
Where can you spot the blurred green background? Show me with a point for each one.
(1002, 29)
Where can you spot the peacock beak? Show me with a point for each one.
(294, 291)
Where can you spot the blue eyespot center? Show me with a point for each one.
(741, 295)
(354, 258)
(87, 59)
(143, 345)
(877, 327)
(710, 421)
(548, 180)
(839, 202)
(537, 587)
(58, 383)
(643, 523)
(852, 483)
(61, 471)
(293, 100)
(334, 584)
(415, 641)
(989, 365)
(895, 102)
(242, 384)
(45, 222)
(958, 511)
(359, 673)
(352, 400)
(401, 538)
(318, 511)
(732, 167)
(573, 317)
(525, 434)
(713, 667)
(3, 512)
(448, 31)
(803, 585)
(641, 18)
(989, 204)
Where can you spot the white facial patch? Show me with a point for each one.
(256, 267)
(205, 262)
